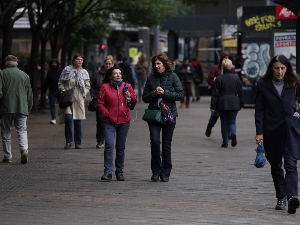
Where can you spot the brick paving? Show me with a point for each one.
(208, 184)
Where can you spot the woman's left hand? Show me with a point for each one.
(212, 110)
(127, 94)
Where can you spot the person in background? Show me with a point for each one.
(113, 102)
(227, 99)
(51, 82)
(126, 71)
(197, 79)
(96, 83)
(278, 128)
(16, 102)
(92, 66)
(142, 71)
(215, 71)
(162, 84)
(74, 76)
(185, 73)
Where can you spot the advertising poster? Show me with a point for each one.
(285, 44)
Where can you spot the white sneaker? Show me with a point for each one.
(53, 121)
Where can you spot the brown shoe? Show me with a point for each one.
(188, 106)
(181, 105)
(24, 157)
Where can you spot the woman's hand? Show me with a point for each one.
(212, 110)
(159, 91)
(259, 137)
(127, 94)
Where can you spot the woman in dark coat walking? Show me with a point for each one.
(227, 99)
(162, 84)
(277, 126)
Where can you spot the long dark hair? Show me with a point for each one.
(165, 61)
(290, 77)
(109, 73)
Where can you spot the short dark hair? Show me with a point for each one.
(75, 57)
(109, 73)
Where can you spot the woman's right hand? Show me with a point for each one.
(259, 137)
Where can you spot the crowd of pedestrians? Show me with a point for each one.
(112, 87)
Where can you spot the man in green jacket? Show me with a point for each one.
(16, 103)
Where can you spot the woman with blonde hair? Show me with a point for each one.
(227, 99)
(96, 83)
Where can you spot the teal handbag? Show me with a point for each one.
(152, 116)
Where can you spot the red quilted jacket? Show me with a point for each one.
(112, 103)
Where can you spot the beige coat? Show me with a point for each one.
(77, 109)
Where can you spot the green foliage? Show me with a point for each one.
(143, 13)
(91, 27)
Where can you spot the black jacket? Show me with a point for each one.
(227, 92)
(171, 84)
(52, 78)
(127, 74)
(274, 119)
(96, 82)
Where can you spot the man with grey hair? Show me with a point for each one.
(16, 103)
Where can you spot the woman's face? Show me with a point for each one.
(159, 66)
(78, 62)
(116, 75)
(279, 70)
(108, 64)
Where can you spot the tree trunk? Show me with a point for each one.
(43, 60)
(33, 68)
(7, 34)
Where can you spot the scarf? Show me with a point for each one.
(80, 76)
(166, 114)
(116, 85)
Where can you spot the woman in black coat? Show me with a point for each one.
(227, 99)
(277, 126)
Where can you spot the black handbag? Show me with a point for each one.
(92, 105)
(66, 98)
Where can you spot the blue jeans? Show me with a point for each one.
(68, 129)
(228, 118)
(141, 83)
(161, 165)
(52, 101)
(110, 131)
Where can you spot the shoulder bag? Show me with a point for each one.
(66, 98)
(92, 105)
(153, 115)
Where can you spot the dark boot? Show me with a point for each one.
(211, 123)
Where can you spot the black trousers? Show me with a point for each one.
(285, 185)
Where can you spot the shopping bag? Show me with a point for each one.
(60, 114)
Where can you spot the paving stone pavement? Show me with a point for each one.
(208, 184)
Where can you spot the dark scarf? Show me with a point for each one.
(116, 85)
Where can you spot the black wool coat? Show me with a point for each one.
(274, 119)
(227, 92)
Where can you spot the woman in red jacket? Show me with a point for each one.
(114, 99)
